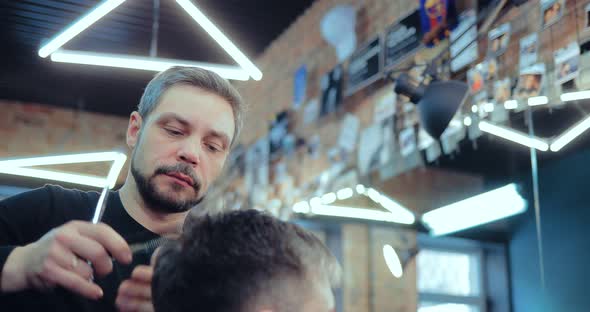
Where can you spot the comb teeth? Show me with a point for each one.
(149, 246)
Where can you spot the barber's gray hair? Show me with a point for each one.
(197, 77)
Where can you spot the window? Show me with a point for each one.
(450, 278)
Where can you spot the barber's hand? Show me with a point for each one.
(135, 294)
(60, 258)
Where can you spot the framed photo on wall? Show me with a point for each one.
(498, 39)
(551, 11)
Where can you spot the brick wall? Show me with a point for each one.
(29, 129)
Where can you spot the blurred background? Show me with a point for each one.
(438, 147)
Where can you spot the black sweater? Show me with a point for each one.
(26, 217)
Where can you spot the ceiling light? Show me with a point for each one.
(328, 198)
(355, 213)
(392, 260)
(301, 207)
(62, 38)
(220, 38)
(467, 121)
(315, 201)
(55, 176)
(403, 215)
(538, 100)
(345, 193)
(511, 104)
(143, 63)
(570, 134)
(484, 208)
(513, 136)
(360, 189)
(16, 167)
(574, 96)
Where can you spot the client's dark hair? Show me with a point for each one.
(232, 261)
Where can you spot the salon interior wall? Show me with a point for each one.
(30, 129)
(301, 44)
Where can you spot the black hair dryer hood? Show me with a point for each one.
(437, 102)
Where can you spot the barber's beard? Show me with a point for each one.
(165, 203)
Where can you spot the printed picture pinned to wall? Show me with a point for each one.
(490, 69)
(385, 106)
(476, 79)
(313, 147)
(530, 81)
(299, 86)
(311, 111)
(331, 90)
(407, 141)
(375, 147)
(370, 143)
(348, 133)
(437, 18)
(450, 139)
(502, 90)
(480, 101)
(567, 63)
(529, 48)
(551, 11)
(388, 140)
(498, 39)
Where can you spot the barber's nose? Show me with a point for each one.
(190, 154)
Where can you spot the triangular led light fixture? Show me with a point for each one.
(244, 71)
(20, 167)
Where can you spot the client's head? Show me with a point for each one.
(244, 261)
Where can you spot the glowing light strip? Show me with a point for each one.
(471, 212)
(570, 134)
(221, 39)
(575, 96)
(143, 63)
(16, 167)
(511, 104)
(537, 100)
(392, 261)
(355, 213)
(55, 176)
(79, 26)
(513, 136)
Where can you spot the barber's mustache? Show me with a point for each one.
(181, 168)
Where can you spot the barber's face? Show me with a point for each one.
(180, 148)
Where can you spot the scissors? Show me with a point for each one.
(101, 205)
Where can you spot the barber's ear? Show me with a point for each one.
(133, 129)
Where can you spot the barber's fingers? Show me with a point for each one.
(69, 261)
(134, 306)
(135, 289)
(55, 274)
(135, 294)
(88, 249)
(108, 238)
(143, 273)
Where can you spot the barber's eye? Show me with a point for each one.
(173, 132)
(214, 148)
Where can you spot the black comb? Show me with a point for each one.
(148, 247)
